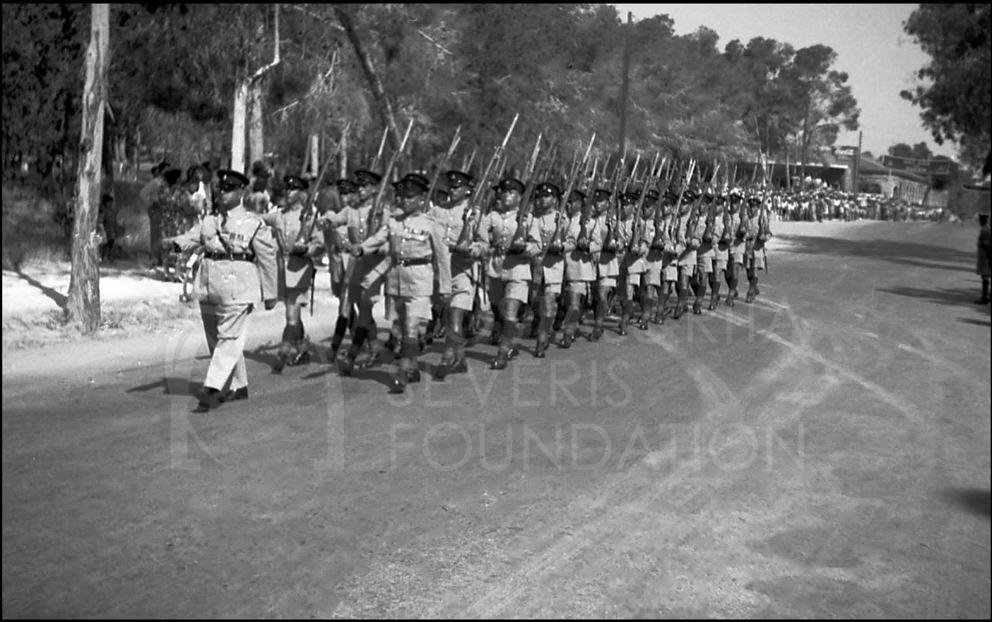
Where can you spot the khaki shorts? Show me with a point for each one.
(355, 294)
(514, 290)
(418, 307)
(462, 290)
(578, 287)
(758, 262)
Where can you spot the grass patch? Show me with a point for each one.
(117, 319)
(36, 235)
(31, 234)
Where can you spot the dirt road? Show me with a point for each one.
(823, 452)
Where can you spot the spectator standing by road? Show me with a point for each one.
(151, 196)
(984, 267)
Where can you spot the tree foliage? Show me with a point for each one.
(175, 67)
(956, 94)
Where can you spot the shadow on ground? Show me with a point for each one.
(906, 253)
(170, 385)
(60, 299)
(973, 500)
(961, 296)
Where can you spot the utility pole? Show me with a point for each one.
(857, 164)
(625, 89)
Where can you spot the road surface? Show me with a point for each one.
(823, 452)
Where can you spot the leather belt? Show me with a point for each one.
(230, 256)
(417, 261)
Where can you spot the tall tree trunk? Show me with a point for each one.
(805, 141)
(238, 128)
(248, 95)
(256, 130)
(374, 83)
(84, 280)
(315, 163)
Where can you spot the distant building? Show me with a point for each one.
(895, 183)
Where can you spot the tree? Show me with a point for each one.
(43, 48)
(84, 280)
(956, 97)
(823, 96)
(919, 151)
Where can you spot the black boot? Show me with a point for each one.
(697, 303)
(208, 399)
(340, 328)
(543, 338)
(502, 358)
(715, 294)
(234, 396)
(496, 332)
(346, 363)
(597, 331)
(752, 290)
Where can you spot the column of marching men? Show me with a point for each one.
(445, 257)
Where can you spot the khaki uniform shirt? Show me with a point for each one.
(419, 252)
(451, 220)
(496, 231)
(297, 270)
(231, 281)
(580, 265)
(542, 231)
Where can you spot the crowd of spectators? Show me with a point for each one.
(829, 204)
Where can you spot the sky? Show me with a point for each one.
(878, 56)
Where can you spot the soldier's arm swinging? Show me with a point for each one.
(264, 247)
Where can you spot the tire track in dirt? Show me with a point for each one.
(618, 507)
(633, 504)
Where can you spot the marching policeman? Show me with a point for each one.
(756, 233)
(238, 271)
(607, 265)
(583, 242)
(334, 222)
(633, 250)
(719, 239)
(545, 238)
(735, 246)
(464, 271)
(299, 242)
(705, 253)
(365, 282)
(651, 275)
(686, 243)
(419, 253)
(508, 268)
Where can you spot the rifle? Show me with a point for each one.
(309, 213)
(633, 172)
(378, 155)
(678, 203)
(375, 214)
(590, 180)
(637, 231)
(471, 214)
(443, 164)
(613, 217)
(467, 165)
(520, 234)
(577, 168)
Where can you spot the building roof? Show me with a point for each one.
(870, 167)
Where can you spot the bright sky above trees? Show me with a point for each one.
(880, 58)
